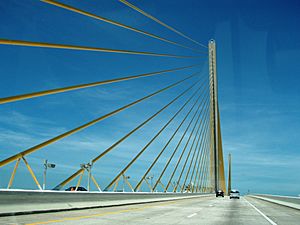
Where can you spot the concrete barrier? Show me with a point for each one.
(17, 202)
(289, 201)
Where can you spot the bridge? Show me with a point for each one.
(145, 144)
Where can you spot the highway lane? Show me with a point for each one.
(208, 210)
(277, 213)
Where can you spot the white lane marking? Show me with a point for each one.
(194, 214)
(260, 212)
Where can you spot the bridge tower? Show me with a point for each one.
(229, 174)
(216, 151)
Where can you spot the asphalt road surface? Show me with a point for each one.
(209, 210)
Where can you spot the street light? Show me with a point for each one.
(88, 167)
(150, 178)
(124, 179)
(46, 166)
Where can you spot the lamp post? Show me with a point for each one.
(150, 178)
(46, 166)
(88, 167)
(124, 179)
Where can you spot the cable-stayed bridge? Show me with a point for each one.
(188, 159)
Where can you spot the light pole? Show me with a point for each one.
(150, 178)
(88, 167)
(46, 166)
(124, 179)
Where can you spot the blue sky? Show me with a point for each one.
(258, 53)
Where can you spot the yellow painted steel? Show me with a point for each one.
(196, 136)
(79, 180)
(142, 124)
(204, 171)
(198, 178)
(173, 185)
(128, 183)
(222, 181)
(201, 172)
(169, 141)
(195, 184)
(85, 48)
(149, 186)
(206, 181)
(147, 145)
(177, 146)
(76, 10)
(194, 153)
(198, 159)
(117, 183)
(160, 22)
(13, 174)
(217, 161)
(68, 133)
(197, 150)
(81, 86)
(58, 187)
(212, 176)
(162, 185)
(32, 173)
(214, 114)
(96, 183)
(205, 178)
(199, 166)
(186, 160)
(185, 147)
(73, 176)
(229, 174)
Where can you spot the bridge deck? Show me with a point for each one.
(209, 210)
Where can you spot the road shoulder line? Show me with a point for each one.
(278, 202)
(260, 212)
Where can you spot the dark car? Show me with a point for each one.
(73, 188)
(220, 193)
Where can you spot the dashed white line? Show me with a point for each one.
(260, 212)
(194, 214)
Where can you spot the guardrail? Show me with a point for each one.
(16, 202)
(289, 201)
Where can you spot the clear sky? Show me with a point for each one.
(258, 52)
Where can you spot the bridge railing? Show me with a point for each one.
(289, 201)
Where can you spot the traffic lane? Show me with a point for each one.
(208, 210)
(47, 218)
(277, 213)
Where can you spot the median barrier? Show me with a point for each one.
(17, 202)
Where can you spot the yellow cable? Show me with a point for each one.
(76, 10)
(84, 48)
(86, 125)
(81, 86)
(160, 22)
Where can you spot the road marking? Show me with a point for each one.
(194, 214)
(99, 214)
(261, 213)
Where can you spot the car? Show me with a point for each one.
(234, 194)
(73, 188)
(220, 193)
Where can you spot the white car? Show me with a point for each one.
(234, 194)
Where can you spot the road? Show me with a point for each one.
(208, 210)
